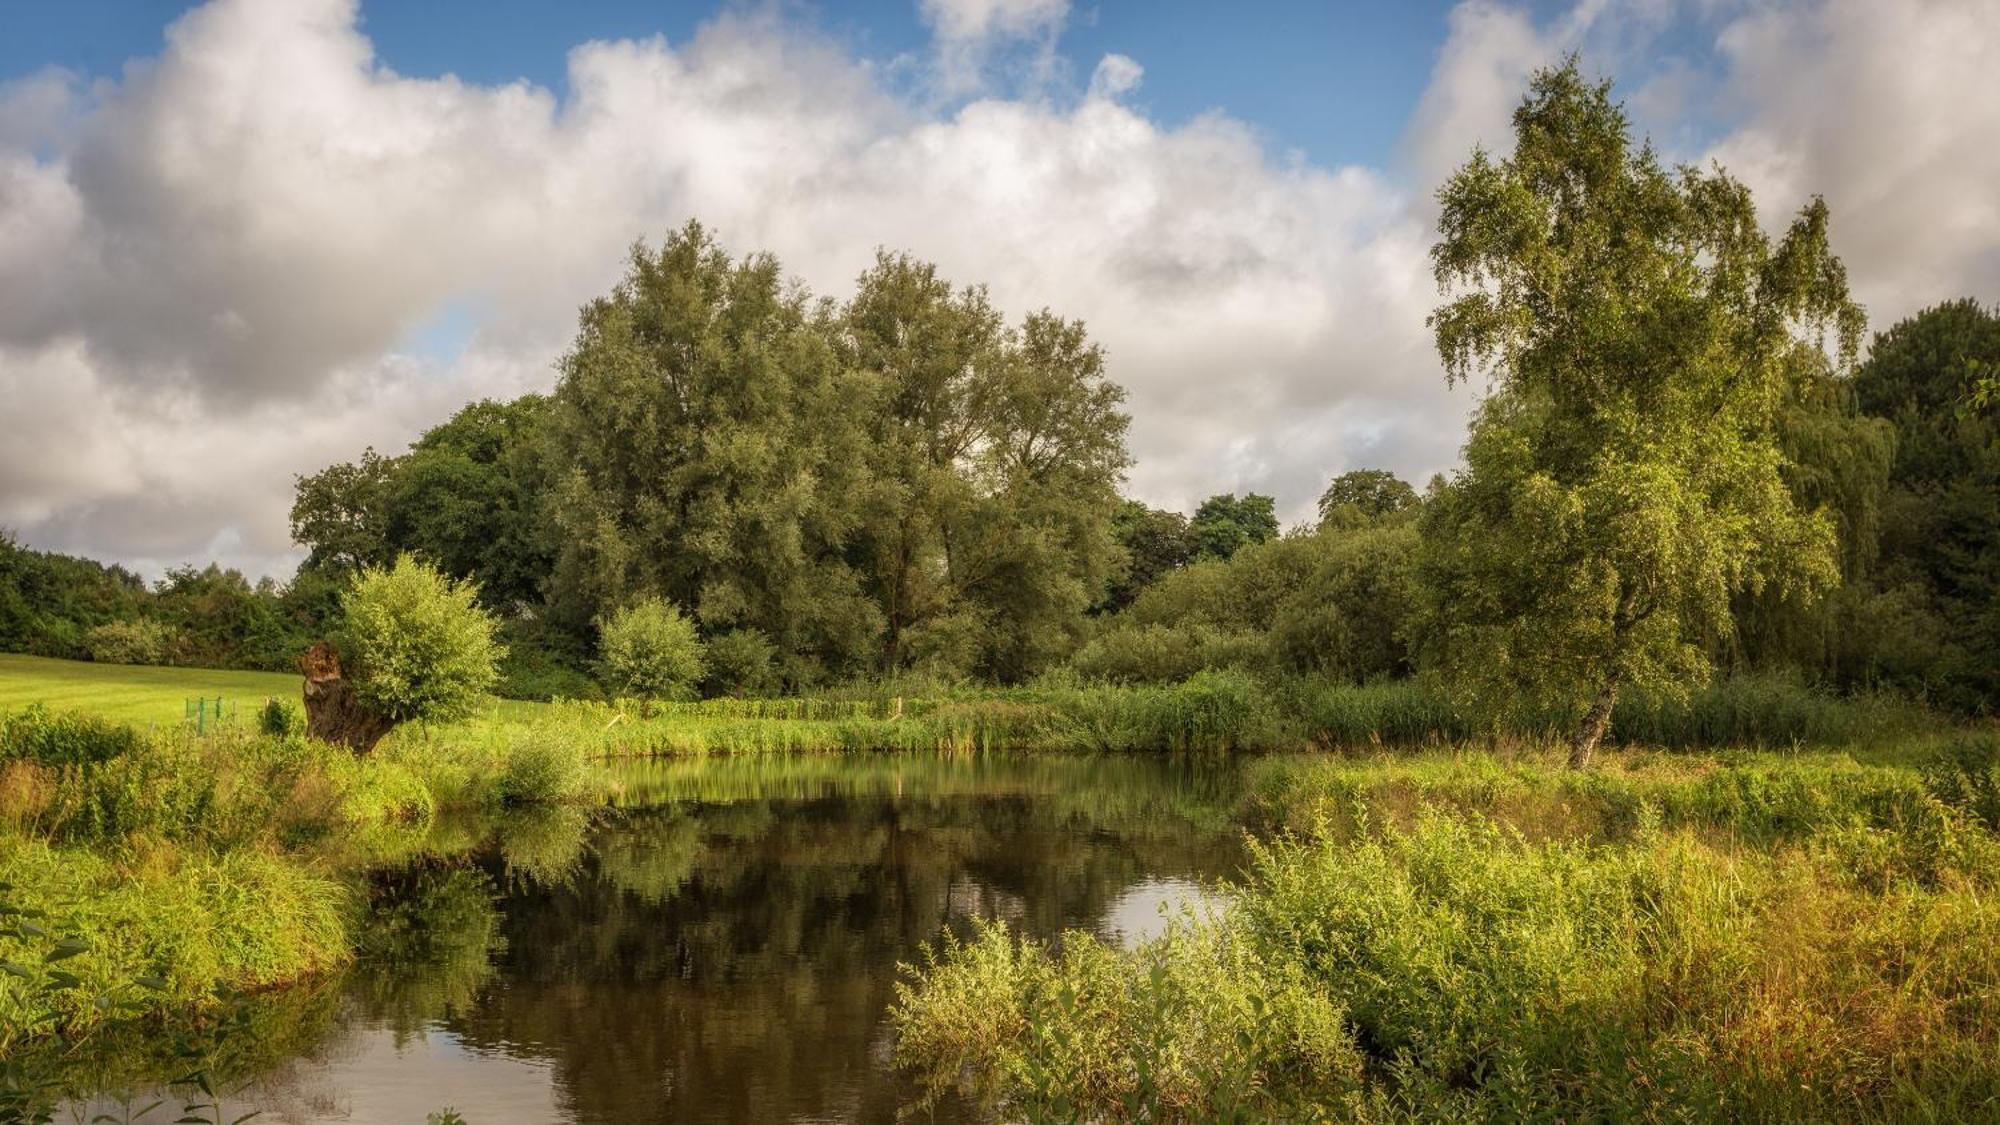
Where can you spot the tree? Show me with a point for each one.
(1623, 478)
(1155, 542)
(1373, 493)
(341, 515)
(710, 450)
(1941, 517)
(469, 495)
(649, 650)
(1224, 524)
(996, 454)
(414, 645)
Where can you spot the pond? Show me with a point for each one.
(723, 944)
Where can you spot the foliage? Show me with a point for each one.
(542, 771)
(1191, 1027)
(468, 495)
(1224, 524)
(1328, 603)
(1941, 517)
(48, 602)
(649, 650)
(137, 641)
(741, 662)
(1369, 493)
(279, 718)
(1500, 939)
(1623, 478)
(1155, 542)
(416, 643)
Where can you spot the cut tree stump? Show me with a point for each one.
(334, 712)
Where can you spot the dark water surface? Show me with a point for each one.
(723, 946)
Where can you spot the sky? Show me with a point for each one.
(245, 239)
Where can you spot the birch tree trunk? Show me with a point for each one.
(1595, 722)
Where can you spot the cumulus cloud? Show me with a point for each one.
(219, 267)
(1890, 111)
(970, 33)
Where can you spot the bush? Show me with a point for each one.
(1758, 710)
(280, 717)
(137, 641)
(1966, 776)
(416, 643)
(740, 663)
(650, 651)
(542, 770)
(52, 738)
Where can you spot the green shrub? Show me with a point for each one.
(137, 641)
(53, 738)
(1966, 776)
(280, 717)
(1390, 711)
(416, 643)
(1758, 710)
(649, 651)
(740, 663)
(1143, 654)
(542, 770)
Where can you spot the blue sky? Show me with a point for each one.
(278, 239)
(1334, 80)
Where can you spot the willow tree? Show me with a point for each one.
(1623, 478)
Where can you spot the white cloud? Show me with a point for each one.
(969, 34)
(1115, 76)
(1892, 112)
(212, 265)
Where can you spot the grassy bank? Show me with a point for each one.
(1213, 712)
(157, 696)
(148, 879)
(1798, 937)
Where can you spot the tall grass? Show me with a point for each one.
(1692, 941)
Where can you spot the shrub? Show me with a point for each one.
(417, 644)
(137, 641)
(53, 738)
(740, 663)
(649, 651)
(280, 717)
(1966, 776)
(542, 770)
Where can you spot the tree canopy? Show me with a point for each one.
(1624, 479)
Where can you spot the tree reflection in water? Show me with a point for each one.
(723, 945)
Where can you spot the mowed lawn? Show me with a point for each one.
(147, 695)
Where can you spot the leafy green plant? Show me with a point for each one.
(280, 717)
(418, 644)
(649, 651)
(137, 641)
(542, 770)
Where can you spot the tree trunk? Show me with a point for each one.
(334, 713)
(1595, 723)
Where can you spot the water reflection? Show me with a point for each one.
(722, 946)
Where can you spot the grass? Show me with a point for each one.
(1464, 935)
(152, 696)
(142, 694)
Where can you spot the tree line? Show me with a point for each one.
(1685, 463)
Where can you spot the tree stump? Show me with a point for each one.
(334, 712)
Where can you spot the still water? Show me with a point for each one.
(723, 945)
